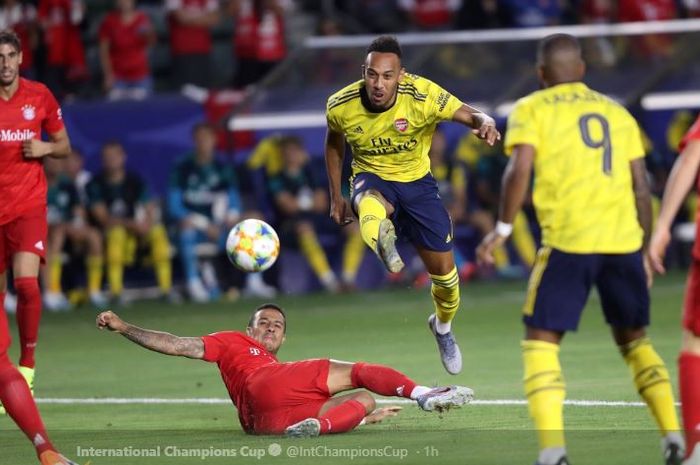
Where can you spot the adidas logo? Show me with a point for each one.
(448, 239)
(358, 130)
(399, 391)
(39, 245)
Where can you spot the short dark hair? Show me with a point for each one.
(266, 306)
(8, 36)
(555, 43)
(296, 141)
(385, 44)
(112, 143)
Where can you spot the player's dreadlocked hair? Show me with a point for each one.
(9, 37)
(251, 321)
(385, 44)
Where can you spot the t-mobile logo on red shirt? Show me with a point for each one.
(17, 135)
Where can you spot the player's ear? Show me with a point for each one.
(249, 331)
(402, 73)
(541, 76)
(362, 68)
(20, 57)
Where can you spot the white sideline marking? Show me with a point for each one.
(217, 401)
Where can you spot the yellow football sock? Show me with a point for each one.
(55, 271)
(523, 241)
(371, 213)
(353, 251)
(445, 292)
(545, 391)
(94, 264)
(116, 248)
(314, 253)
(160, 255)
(651, 378)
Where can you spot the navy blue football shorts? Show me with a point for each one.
(419, 214)
(560, 283)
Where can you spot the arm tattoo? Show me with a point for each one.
(165, 343)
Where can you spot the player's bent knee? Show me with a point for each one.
(366, 399)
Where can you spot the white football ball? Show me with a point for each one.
(252, 245)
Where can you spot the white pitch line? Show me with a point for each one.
(218, 401)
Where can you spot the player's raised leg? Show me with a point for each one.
(373, 210)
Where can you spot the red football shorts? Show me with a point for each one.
(691, 307)
(26, 233)
(282, 394)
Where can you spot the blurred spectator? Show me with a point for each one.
(650, 45)
(65, 55)
(299, 201)
(598, 50)
(481, 14)
(534, 13)
(377, 16)
(190, 23)
(66, 220)
(77, 174)
(125, 35)
(258, 38)
(333, 64)
(203, 198)
(21, 17)
(120, 205)
(488, 164)
(431, 15)
(691, 8)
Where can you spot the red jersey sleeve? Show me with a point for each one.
(53, 122)
(692, 134)
(215, 344)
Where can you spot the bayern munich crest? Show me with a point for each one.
(401, 124)
(28, 112)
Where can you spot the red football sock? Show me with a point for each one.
(689, 374)
(381, 380)
(18, 401)
(342, 418)
(4, 328)
(28, 317)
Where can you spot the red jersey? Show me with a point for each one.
(22, 182)
(694, 134)
(237, 356)
(245, 31)
(61, 33)
(128, 44)
(646, 10)
(270, 37)
(186, 39)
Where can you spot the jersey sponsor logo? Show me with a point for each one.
(28, 112)
(401, 124)
(17, 135)
(255, 351)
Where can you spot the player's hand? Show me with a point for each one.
(484, 253)
(381, 413)
(648, 271)
(109, 320)
(657, 249)
(487, 129)
(340, 211)
(35, 148)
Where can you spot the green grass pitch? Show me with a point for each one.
(76, 361)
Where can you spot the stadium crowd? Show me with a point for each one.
(128, 48)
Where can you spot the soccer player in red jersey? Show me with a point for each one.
(26, 108)
(683, 175)
(294, 398)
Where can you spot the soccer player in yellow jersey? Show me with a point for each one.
(593, 204)
(388, 119)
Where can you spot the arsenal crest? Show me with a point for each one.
(401, 124)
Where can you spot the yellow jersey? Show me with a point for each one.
(583, 193)
(394, 143)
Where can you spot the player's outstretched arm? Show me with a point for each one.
(157, 341)
(679, 183)
(483, 126)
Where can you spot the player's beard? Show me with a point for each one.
(7, 77)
